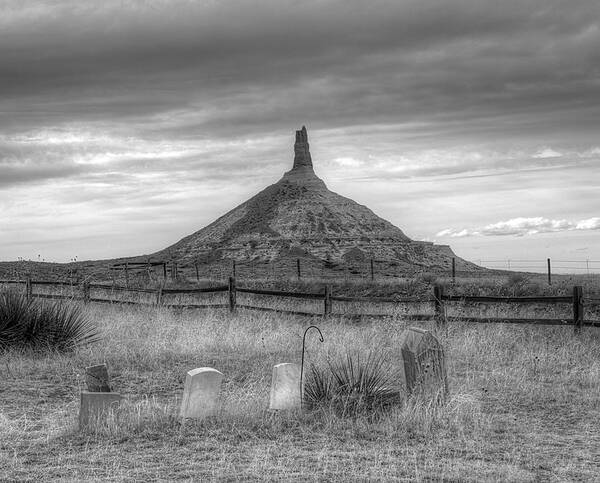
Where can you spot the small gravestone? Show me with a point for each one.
(95, 406)
(201, 393)
(424, 364)
(285, 386)
(96, 378)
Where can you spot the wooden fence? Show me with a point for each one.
(439, 299)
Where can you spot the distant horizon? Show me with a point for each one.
(127, 126)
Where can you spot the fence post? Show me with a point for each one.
(159, 295)
(438, 300)
(197, 274)
(372, 271)
(578, 308)
(86, 292)
(164, 264)
(233, 267)
(327, 300)
(453, 270)
(232, 295)
(127, 274)
(298, 268)
(28, 287)
(549, 273)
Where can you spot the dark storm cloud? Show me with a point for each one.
(253, 66)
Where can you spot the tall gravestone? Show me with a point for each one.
(285, 386)
(424, 364)
(201, 393)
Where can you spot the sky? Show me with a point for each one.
(126, 125)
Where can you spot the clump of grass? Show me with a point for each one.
(352, 386)
(428, 278)
(516, 283)
(48, 326)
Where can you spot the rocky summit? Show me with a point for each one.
(299, 217)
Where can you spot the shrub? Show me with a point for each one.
(428, 278)
(516, 284)
(352, 386)
(59, 326)
(515, 279)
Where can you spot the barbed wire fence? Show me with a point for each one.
(587, 267)
(380, 270)
(316, 269)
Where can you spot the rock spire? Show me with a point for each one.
(301, 152)
(298, 216)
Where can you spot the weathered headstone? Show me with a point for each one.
(96, 378)
(285, 386)
(424, 364)
(201, 393)
(95, 406)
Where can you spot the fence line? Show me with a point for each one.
(300, 268)
(439, 300)
(369, 268)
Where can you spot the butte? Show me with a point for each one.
(300, 218)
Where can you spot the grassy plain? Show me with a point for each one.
(524, 406)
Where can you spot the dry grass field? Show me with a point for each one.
(524, 405)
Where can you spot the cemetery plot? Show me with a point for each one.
(507, 384)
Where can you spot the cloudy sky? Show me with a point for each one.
(126, 125)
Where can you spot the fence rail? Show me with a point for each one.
(54, 282)
(222, 288)
(278, 293)
(375, 300)
(519, 300)
(440, 300)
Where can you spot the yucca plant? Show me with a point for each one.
(59, 326)
(353, 386)
(15, 317)
(67, 326)
(318, 387)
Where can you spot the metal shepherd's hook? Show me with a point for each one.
(302, 364)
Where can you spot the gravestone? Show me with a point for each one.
(95, 406)
(424, 364)
(285, 386)
(96, 378)
(201, 393)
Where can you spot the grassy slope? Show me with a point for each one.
(525, 405)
